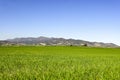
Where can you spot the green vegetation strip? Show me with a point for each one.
(59, 63)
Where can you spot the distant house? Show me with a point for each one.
(84, 44)
(43, 44)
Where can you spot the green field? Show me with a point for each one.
(59, 63)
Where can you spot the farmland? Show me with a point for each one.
(59, 63)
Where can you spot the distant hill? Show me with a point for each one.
(54, 41)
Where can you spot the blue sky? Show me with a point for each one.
(92, 20)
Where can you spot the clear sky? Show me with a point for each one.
(92, 20)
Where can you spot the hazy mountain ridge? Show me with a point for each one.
(54, 41)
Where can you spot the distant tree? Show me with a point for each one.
(85, 44)
(0, 44)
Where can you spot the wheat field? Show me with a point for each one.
(59, 63)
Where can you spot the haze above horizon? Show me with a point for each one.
(91, 20)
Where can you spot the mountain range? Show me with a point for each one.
(44, 41)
